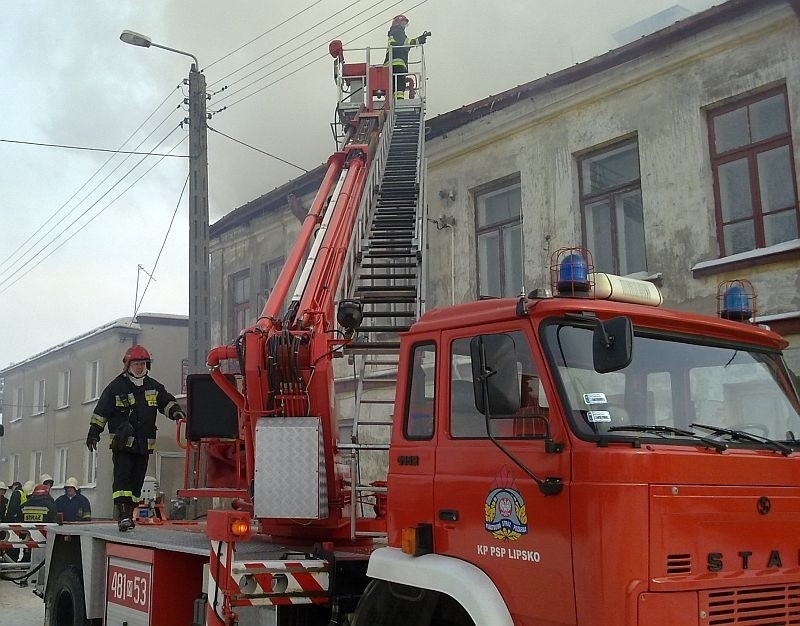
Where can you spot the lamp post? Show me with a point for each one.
(199, 282)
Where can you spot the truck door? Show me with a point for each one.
(488, 511)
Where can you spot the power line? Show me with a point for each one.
(295, 71)
(61, 145)
(6, 285)
(313, 41)
(244, 45)
(257, 149)
(163, 243)
(84, 199)
(97, 171)
(278, 47)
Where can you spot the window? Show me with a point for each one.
(611, 209)
(465, 419)
(63, 389)
(499, 230)
(38, 397)
(61, 466)
(90, 467)
(16, 408)
(754, 181)
(36, 464)
(240, 302)
(92, 380)
(420, 404)
(14, 470)
(269, 276)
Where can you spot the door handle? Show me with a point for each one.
(448, 515)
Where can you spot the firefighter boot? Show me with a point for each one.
(125, 516)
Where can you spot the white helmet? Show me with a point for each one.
(45, 477)
(3, 486)
(71, 482)
(28, 487)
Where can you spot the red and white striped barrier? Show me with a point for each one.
(23, 535)
(233, 583)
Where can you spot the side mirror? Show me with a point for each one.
(494, 374)
(612, 345)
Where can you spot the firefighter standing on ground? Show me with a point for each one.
(129, 405)
(73, 505)
(397, 53)
(40, 508)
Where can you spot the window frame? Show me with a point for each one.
(90, 467)
(750, 152)
(37, 457)
(93, 376)
(239, 307)
(64, 380)
(14, 469)
(407, 434)
(612, 194)
(39, 397)
(17, 406)
(60, 465)
(497, 187)
(264, 288)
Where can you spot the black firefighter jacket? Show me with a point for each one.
(130, 412)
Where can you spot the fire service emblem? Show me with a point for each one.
(505, 516)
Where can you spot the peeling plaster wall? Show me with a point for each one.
(661, 99)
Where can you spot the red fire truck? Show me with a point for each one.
(577, 455)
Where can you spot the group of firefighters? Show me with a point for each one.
(31, 503)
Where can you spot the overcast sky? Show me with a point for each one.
(69, 80)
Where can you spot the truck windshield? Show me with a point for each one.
(673, 383)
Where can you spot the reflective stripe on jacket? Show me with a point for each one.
(397, 47)
(130, 412)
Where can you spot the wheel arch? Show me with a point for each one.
(462, 581)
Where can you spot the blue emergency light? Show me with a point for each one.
(736, 304)
(573, 275)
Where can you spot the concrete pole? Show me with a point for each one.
(199, 282)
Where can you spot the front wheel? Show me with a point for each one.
(392, 604)
(64, 602)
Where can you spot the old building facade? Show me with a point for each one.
(49, 399)
(672, 158)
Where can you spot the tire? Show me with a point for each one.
(392, 604)
(64, 603)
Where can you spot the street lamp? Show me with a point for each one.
(199, 282)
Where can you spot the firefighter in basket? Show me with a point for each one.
(128, 405)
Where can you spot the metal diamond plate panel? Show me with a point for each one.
(290, 469)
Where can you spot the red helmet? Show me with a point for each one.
(40, 490)
(399, 19)
(136, 353)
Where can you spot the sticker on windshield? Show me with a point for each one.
(598, 416)
(594, 398)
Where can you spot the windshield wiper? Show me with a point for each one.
(743, 434)
(719, 446)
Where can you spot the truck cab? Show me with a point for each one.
(591, 461)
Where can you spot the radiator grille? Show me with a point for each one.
(777, 605)
(679, 564)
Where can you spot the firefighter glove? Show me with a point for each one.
(91, 440)
(175, 413)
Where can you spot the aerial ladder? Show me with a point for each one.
(353, 281)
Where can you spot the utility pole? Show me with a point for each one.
(199, 281)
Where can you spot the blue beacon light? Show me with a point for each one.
(736, 304)
(573, 274)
